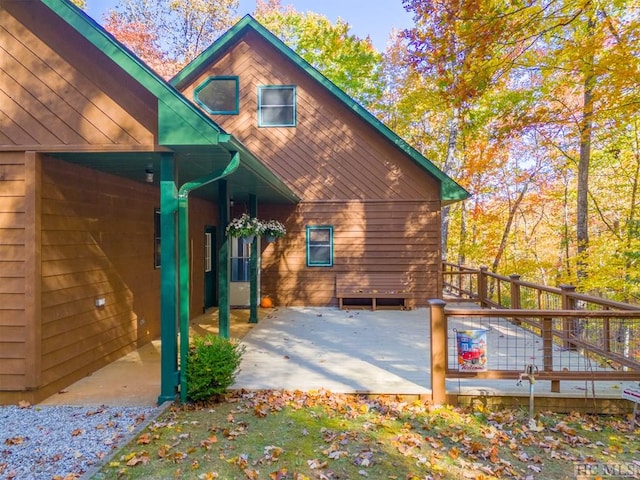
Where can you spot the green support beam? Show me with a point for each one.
(185, 294)
(253, 266)
(168, 275)
(224, 302)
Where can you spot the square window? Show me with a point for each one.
(320, 246)
(277, 106)
(218, 95)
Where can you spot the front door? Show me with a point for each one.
(210, 290)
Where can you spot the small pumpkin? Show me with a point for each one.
(266, 302)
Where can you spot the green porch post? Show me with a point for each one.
(224, 303)
(183, 269)
(253, 266)
(168, 276)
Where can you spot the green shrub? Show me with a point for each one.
(212, 364)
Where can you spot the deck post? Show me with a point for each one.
(568, 324)
(438, 351)
(547, 350)
(516, 302)
(482, 286)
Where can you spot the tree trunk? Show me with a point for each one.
(448, 167)
(507, 228)
(463, 234)
(586, 127)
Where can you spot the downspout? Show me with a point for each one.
(183, 249)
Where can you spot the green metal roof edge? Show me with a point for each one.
(253, 163)
(450, 190)
(179, 122)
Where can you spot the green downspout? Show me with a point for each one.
(168, 284)
(224, 302)
(253, 266)
(183, 248)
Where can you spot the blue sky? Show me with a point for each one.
(375, 18)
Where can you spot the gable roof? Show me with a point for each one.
(179, 122)
(181, 125)
(450, 190)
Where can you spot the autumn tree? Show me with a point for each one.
(181, 28)
(143, 42)
(352, 63)
(464, 48)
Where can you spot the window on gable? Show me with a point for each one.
(218, 95)
(319, 246)
(277, 106)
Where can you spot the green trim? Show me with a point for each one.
(261, 122)
(179, 121)
(224, 303)
(157, 239)
(184, 270)
(168, 280)
(212, 79)
(311, 228)
(253, 266)
(450, 191)
(255, 166)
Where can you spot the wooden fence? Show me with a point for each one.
(576, 336)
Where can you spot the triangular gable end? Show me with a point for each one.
(450, 191)
(179, 122)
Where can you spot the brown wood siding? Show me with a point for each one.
(97, 242)
(13, 318)
(71, 95)
(369, 237)
(385, 209)
(331, 153)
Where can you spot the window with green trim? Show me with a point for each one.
(320, 246)
(219, 95)
(277, 106)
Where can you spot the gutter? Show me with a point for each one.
(183, 249)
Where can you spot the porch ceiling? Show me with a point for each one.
(191, 163)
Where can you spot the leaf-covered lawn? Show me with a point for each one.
(276, 435)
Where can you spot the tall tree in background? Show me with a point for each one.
(352, 63)
(144, 42)
(465, 48)
(181, 28)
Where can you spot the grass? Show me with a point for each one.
(277, 435)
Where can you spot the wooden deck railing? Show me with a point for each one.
(578, 337)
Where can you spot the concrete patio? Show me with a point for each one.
(344, 351)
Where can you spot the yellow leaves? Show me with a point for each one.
(14, 441)
(454, 452)
(208, 476)
(278, 475)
